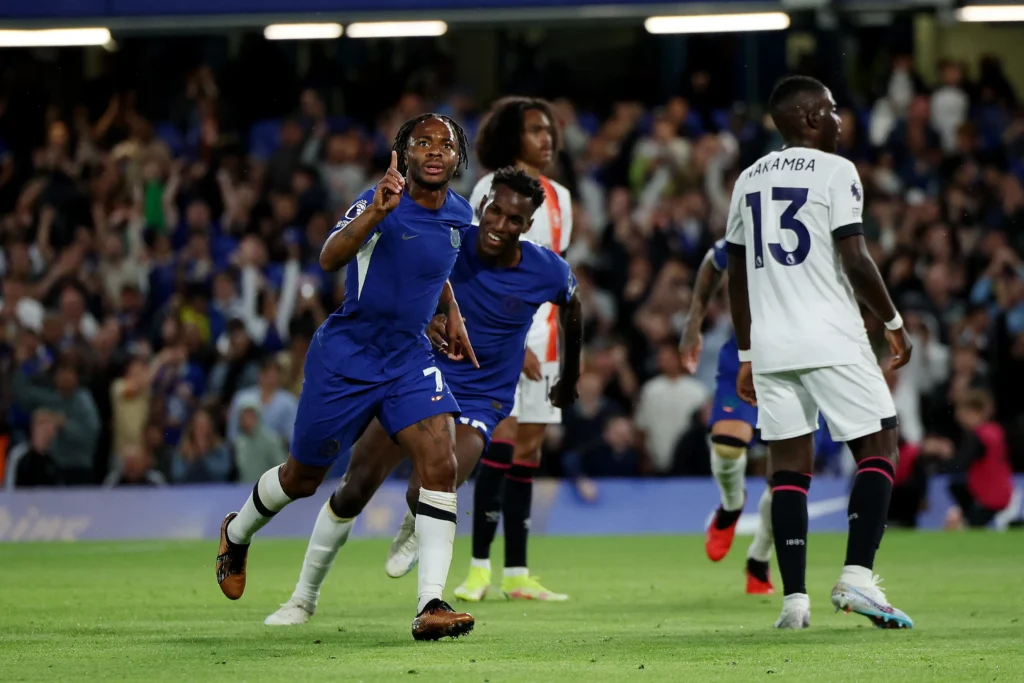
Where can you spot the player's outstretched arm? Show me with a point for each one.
(343, 244)
(709, 277)
(739, 304)
(570, 319)
(739, 298)
(870, 289)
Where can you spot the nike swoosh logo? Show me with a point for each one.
(409, 237)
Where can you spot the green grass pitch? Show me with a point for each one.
(641, 609)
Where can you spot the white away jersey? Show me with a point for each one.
(784, 211)
(552, 228)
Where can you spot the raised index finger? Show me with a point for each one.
(394, 160)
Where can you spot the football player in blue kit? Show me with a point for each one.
(500, 282)
(371, 359)
(732, 425)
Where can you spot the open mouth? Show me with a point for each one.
(493, 238)
(434, 169)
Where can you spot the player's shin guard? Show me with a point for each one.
(518, 500)
(868, 510)
(265, 501)
(729, 466)
(789, 523)
(488, 498)
(329, 534)
(435, 525)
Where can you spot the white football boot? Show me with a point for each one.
(796, 612)
(858, 591)
(292, 613)
(404, 553)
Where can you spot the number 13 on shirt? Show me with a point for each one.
(795, 197)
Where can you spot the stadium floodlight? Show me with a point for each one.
(718, 23)
(327, 31)
(397, 29)
(986, 13)
(54, 37)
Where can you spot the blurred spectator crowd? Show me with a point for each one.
(161, 284)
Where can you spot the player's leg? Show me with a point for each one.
(856, 402)
(469, 446)
(374, 457)
(418, 412)
(536, 413)
(760, 551)
(278, 487)
(488, 502)
(729, 439)
(331, 414)
(788, 417)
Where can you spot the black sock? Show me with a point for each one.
(789, 524)
(726, 518)
(868, 510)
(488, 496)
(757, 569)
(518, 499)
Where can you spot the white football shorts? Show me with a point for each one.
(854, 399)
(532, 405)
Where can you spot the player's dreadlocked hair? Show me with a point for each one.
(790, 87)
(519, 182)
(405, 132)
(499, 140)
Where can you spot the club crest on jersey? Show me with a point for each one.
(855, 191)
(456, 238)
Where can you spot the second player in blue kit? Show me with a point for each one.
(732, 425)
(500, 282)
(370, 360)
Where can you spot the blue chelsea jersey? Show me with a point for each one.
(498, 305)
(392, 288)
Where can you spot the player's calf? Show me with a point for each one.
(868, 508)
(789, 523)
(431, 443)
(729, 439)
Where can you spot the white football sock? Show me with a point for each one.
(856, 575)
(329, 534)
(762, 545)
(271, 498)
(435, 525)
(513, 572)
(483, 564)
(730, 473)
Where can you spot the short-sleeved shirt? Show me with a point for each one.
(498, 305)
(787, 211)
(392, 287)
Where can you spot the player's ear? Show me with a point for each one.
(483, 203)
(529, 224)
(814, 118)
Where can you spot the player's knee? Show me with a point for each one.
(728, 447)
(439, 474)
(349, 499)
(529, 441)
(299, 482)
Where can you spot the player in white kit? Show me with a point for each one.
(798, 263)
(521, 132)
